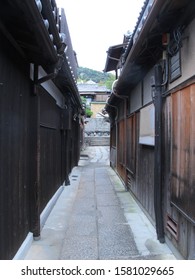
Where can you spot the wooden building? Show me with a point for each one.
(152, 114)
(40, 115)
(95, 95)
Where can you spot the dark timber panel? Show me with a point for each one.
(15, 92)
(50, 148)
(178, 173)
(38, 149)
(183, 151)
(145, 178)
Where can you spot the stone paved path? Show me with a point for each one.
(95, 218)
(98, 228)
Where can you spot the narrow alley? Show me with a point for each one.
(96, 218)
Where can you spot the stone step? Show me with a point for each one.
(97, 141)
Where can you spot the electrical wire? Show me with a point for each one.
(176, 43)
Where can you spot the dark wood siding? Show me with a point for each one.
(38, 149)
(178, 172)
(15, 94)
(135, 163)
(50, 148)
(183, 151)
(145, 178)
(121, 150)
(131, 143)
(113, 146)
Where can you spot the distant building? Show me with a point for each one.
(96, 96)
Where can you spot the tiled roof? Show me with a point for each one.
(92, 88)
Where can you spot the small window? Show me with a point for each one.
(174, 52)
(175, 66)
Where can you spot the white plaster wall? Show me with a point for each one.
(136, 98)
(147, 89)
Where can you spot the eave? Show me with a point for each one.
(163, 17)
(34, 33)
(23, 22)
(113, 57)
(66, 83)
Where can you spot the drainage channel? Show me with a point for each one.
(74, 177)
(84, 157)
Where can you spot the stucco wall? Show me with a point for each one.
(96, 108)
(147, 89)
(136, 98)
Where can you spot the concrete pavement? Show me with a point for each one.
(95, 218)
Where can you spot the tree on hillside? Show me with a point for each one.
(86, 74)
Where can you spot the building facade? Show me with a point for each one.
(40, 116)
(95, 95)
(151, 111)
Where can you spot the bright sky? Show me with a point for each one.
(95, 25)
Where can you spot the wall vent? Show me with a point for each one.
(172, 227)
(129, 180)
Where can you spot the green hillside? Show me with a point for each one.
(86, 74)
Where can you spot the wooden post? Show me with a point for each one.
(35, 159)
(158, 155)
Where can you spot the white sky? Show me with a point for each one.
(95, 25)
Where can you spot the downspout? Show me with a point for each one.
(158, 196)
(114, 108)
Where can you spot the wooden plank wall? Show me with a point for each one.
(50, 148)
(131, 143)
(37, 152)
(140, 166)
(183, 150)
(179, 166)
(75, 143)
(113, 150)
(121, 150)
(145, 178)
(15, 91)
(59, 148)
